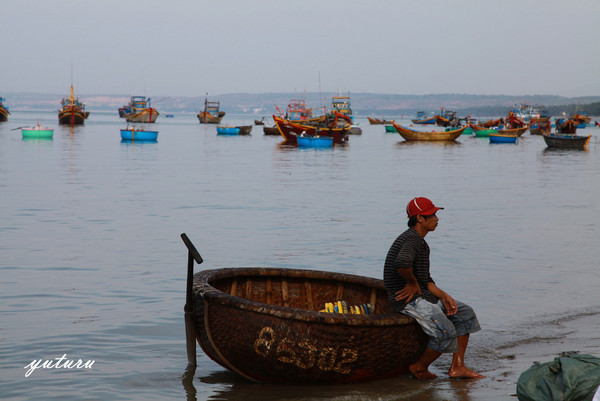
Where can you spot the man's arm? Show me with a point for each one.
(447, 300)
(411, 288)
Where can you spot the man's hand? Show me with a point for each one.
(408, 292)
(449, 304)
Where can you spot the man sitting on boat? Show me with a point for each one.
(413, 292)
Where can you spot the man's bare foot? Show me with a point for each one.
(464, 373)
(421, 374)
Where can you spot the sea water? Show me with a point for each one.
(93, 267)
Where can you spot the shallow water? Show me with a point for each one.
(93, 265)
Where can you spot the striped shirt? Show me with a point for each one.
(409, 250)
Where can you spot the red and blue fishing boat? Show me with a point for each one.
(72, 111)
(4, 112)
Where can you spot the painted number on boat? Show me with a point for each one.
(305, 354)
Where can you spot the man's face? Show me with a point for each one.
(430, 222)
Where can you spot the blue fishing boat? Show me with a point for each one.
(234, 129)
(307, 141)
(138, 134)
(503, 138)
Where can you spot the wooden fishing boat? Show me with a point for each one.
(423, 119)
(503, 138)
(72, 111)
(491, 123)
(377, 121)
(270, 325)
(566, 126)
(271, 130)
(140, 110)
(290, 130)
(480, 131)
(212, 113)
(138, 134)
(307, 141)
(4, 112)
(566, 141)
(512, 131)
(37, 132)
(411, 135)
(447, 118)
(259, 122)
(539, 128)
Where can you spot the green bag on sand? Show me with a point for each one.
(569, 377)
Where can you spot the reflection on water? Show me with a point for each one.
(92, 264)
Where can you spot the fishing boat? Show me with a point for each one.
(290, 131)
(503, 138)
(140, 110)
(271, 130)
(566, 141)
(259, 122)
(341, 105)
(138, 134)
(581, 119)
(234, 129)
(411, 135)
(491, 123)
(72, 111)
(212, 113)
(277, 325)
(539, 128)
(423, 119)
(37, 132)
(4, 112)
(307, 141)
(480, 131)
(447, 118)
(566, 126)
(378, 121)
(512, 131)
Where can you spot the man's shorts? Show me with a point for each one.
(442, 329)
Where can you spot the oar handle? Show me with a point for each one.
(190, 333)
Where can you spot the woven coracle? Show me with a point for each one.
(268, 325)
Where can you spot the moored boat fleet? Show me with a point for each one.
(500, 130)
(303, 126)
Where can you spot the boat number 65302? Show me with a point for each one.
(304, 354)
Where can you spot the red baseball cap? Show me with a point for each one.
(421, 206)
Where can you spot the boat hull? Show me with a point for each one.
(566, 141)
(503, 138)
(314, 142)
(290, 131)
(34, 133)
(4, 114)
(411, 135)
(138, 135)
(513, 131)
(271, 130)
(424, 121)
(207, 118)
(72, 117)
(265, 324)
(147, 116)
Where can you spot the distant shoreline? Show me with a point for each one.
(363, 104)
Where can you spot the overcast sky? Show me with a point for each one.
(188, 48)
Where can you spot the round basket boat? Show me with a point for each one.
(269, 325)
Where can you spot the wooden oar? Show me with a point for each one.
(14, 129)
(190, 332)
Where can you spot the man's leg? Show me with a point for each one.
(458, 368)
(420, 369)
